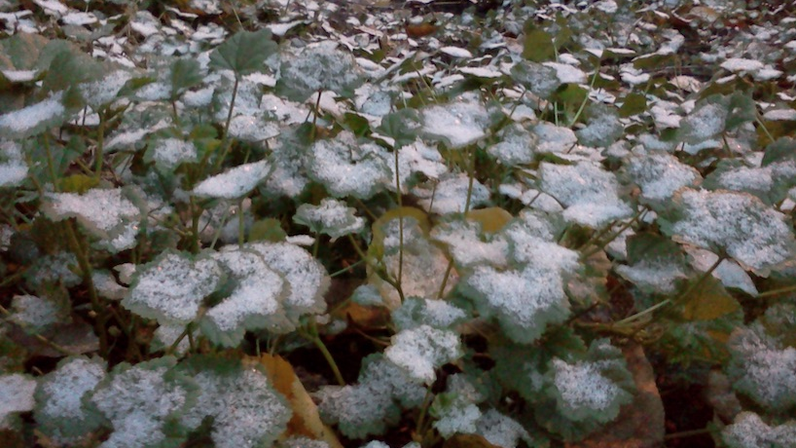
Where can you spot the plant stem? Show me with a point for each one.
(691, 433)
(85, 267)
(624, 227)
(316, 339)
(776, 292)
(225, 141)
(39, 337)
(400, 219)
(50, 162)
(241, 224)
(345, 269)
(98, 154)
(586, 99)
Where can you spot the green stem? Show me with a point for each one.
(691, 433)
(616, 234)
(400, 220)
(40, 338)
(586, 99)
(50, 162)
(98, 156)
(194, 226)
(85, 267)
(346, 269)
(225, 140)
(241, 224)
(776, 292)
(316, 339)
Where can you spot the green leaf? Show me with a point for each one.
(402, 126)
(244, 53)
(268, 229)
(635, 103)
(538, 46)
(782, 150)
(185, 73)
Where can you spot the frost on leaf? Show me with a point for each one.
(172, 287)
(13, 169)
(586, 392)
(763, 368)
(235, 182)
(375, 403)
(347, 167)
(588, 192)
(769, 183)
(34, 119)
(524, 301)
(659, 175)
(168, 153)
(415, 312)
(421, 350)
(737, 224)
(603, 129)
(306, 277)
(424, 264)
(450, 194)
(17, 392)
(143, 403)
(242, 404)
(516, 147)
(457, 123)
(35, 313)
(501, 430)
(318, 67)
(331, 217)
(469, 246)
(539, 79)
(750, 431)
(415, 158)
(110, 215)
(60, 411)
(655, 264)
(255, 302)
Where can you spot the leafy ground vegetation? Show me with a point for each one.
(397, 224)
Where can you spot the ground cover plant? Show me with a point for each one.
(297, 223)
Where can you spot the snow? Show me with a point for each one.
(516, 147)
(246, 411)
(456, 52)
(100, 209)
(33, 312)
(460, 123)
(172, 287)
(17, 392)
(501, 430)
(347, 167)
(567, 73)
(736, 65)
(728, 271)
(659, 175)
(450, 195)
(170, 152)
(588, 192)
(257, 293)
(64, 389)
(331, 217)
(780, 115)
(19, 75)
(656, 275)
(466, 245)
(750, 431)
(419, 351)
(582, 385)
(753, 234)
(235, 182)
(79, 18)
(22, 122)
(552, 138)
(481, 72)
(13, 169)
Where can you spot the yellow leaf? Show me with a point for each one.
(708, 300)
(492, 219)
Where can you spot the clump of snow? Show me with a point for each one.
(254, 303)
(516, 147)
(235, 182)
(17, 392)
(704, 123)
(468, 247)
(524, 301)
(588, 192)
(29, 120)
(246, 411)
(415, 312)
(763, 368)
(331, 217)
(170, 152)
(60, 411)
(139, 401)
(730, 274)
(319, 66)
(582, 385)
(13, 169)
(421, 350)
(755, 235)
(35, 313)
(750, 431)
(552, 138)
(656, 275)
(306, 276)
(417, 157)
(456, 52)
(450, 194)
(171, 288)
(659, 175)
(501, 430)
(459, 123)
(99, 209)
(348, 168)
